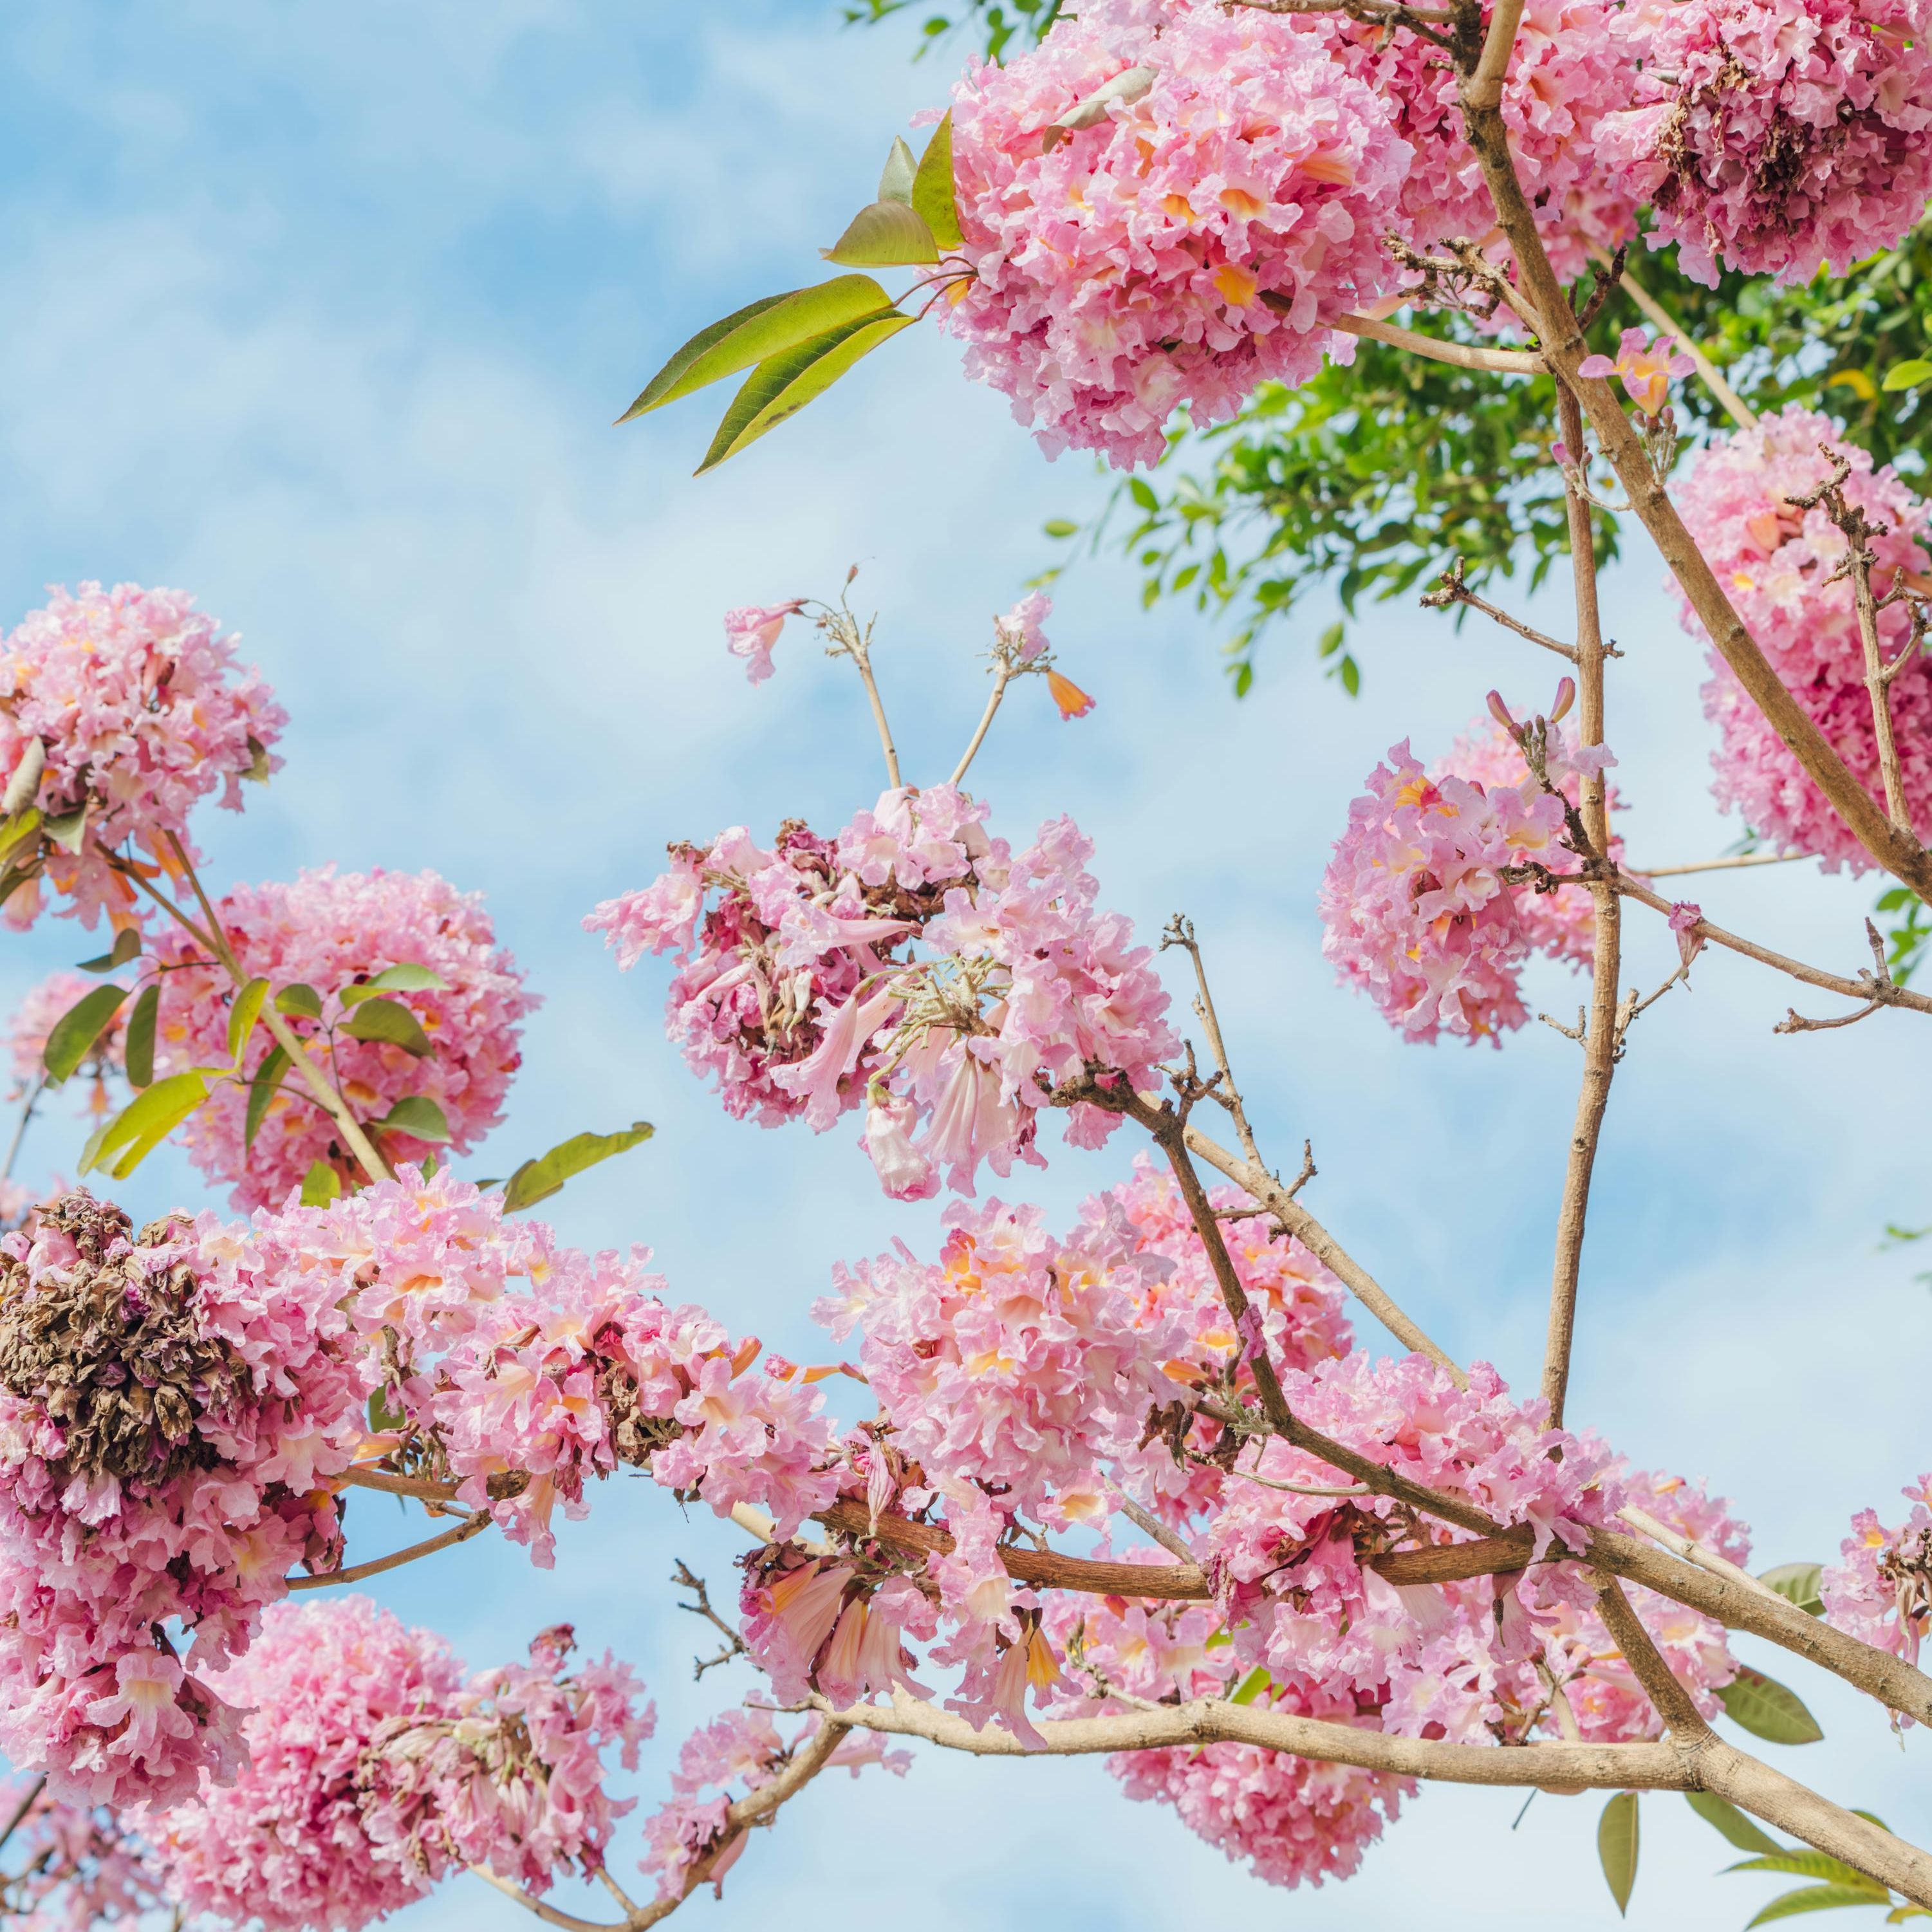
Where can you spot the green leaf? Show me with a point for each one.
(321, 1185)
(1815, 1864)
(538, 1180)
(303, 1001)
(1766, 1709)
(146, 1122)
(935, 200)
(1061, 526)
(1810, 1898)
(72, 1035)
(886, 234)
(383, 1419)
(1352, 677)
(407, 978)
(896, 183)
(139, 1053)
(68, 830)
(1721, 1815)
(261, 1091)
(258, 771)
(126, 946)
(1141, 491)
(391, 1022)
(418, 1115)
(782, 386)
(1330, 641)
(17, 827)
(1617, 1846)
(242, 1016)
(1251, 1686)
(1906, 375)
(1800, 1582)
(753, 333)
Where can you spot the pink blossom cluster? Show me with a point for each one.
(1561, 924)
(1195, 236)
(1568, 69)
(1290, 1819)
(1882, 1592)
(332, 932)
(523, 1395)
(1416, 910)
(132, 705)
(172, 1407)
(36, 1017)
(289, 1843)
(374, 1768)
(1775, 135)
(799, 991)
(1291, 1572)
(75, 1867)
(1774, 561)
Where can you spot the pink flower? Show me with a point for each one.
(133, 705)
(334, 932)
(1778, 565)
(904, 1172)
(1775, 135)
(1645, 368)
(751, 632)
(1685, 917)
(1196, 238)
(1020, 632)
(1882, 1593)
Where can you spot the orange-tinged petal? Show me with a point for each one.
(1073, 702)
(1237, 285)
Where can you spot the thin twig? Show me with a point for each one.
(473, 1525)
(1002, 676)
(1148, 1524)
(685, 1578)
(1180, 932)
(1452, 589)
(1732, 862)
(26, 1804)
(1692, 1552)
(32, 1100)
(1503, 362)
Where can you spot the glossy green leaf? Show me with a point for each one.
(901, 169)
(300, 1000)
(1810, 1898)
(935, 199)
(19, 824)
(765, 328)
(1721, 1815)
(1804, 1864)
(383, 1419)
(321, 1185)
(538, 1180)
(1061, 526)
(261, 1090)
(418, 1115)
(242, 1016)
(138, 1055)
(1906, 375)
(783, 386)
(68, 830)
(1251, 1686)
(146, 1122)
(407, 978)
(126, 946)
(886, 234)
(390, 1021)
(1617, 1847)
(72, 1037)
(1766, 1709)
(1801, 1583)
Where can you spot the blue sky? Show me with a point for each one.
(323, 313)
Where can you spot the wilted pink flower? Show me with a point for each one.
(1775, 135)
(750, 633)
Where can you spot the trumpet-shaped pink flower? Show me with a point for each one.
(334, 933)
(1882, 1592)
(750, 633)
(1775, 135)
(1644, 367)
(1775, 563)
(1217, 202)
(120, 711)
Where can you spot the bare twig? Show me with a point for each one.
(734, 1644)
(1002, 676)
(1451, 589)
(1180, 932)
(1731, 863)
(473, 1525)
(26, 1804)
(1503, 362)
(1693, 1552)
(26, 1114)
(1148, 1524)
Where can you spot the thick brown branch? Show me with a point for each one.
(461, 1532)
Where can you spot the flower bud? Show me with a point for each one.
(1566, 696)
(1500, 712)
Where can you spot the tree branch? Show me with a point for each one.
(1451, 589)
(472, 1524)
(1505, 362)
